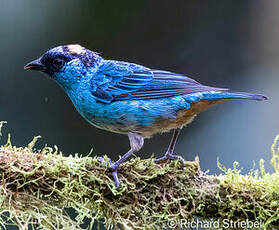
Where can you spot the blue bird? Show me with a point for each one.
(130, 99)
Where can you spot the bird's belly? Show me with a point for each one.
(162, 125)
(111, 126)
(183, 118)
(144, 117)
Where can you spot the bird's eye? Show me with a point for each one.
(58, 63)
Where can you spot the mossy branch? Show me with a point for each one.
(37, 186)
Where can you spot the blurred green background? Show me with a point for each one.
(230, 43)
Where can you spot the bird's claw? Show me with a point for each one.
(170, 156)
(103, 161)
(112, 168)
(115, 177)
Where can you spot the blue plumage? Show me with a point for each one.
(128, 98)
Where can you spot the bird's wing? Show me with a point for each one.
(118, 81)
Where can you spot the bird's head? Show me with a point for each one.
(66, 64)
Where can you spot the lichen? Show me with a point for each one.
(38, 186)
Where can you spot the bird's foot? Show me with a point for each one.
(112, 168)
(170, 156)
(104, 162)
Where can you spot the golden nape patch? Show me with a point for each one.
(76, 49)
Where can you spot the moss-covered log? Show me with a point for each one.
(37, 186)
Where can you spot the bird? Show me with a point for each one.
(129, 98)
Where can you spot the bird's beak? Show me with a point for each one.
(35, 65)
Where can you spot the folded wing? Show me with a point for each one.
(118, 81)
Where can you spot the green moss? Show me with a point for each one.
(37, 186)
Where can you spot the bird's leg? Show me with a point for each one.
(169, 154)
(136, 143)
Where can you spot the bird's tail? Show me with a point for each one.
(235, 95)
(249, 96)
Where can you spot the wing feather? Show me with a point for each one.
(124, 81)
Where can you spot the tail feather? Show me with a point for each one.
(249, 96)
(232, 95)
